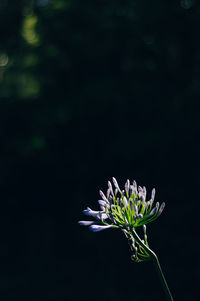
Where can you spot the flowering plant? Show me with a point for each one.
(126, 210)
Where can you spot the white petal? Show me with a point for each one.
(85, 223)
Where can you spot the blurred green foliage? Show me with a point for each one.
(84, 57)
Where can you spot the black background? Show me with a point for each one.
(90, 90)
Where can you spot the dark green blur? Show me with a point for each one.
(89, 90)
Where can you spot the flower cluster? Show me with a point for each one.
(125, 209)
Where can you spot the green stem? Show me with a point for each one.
(156, 263)
(162, 279)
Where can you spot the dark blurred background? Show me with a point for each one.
(90, 90)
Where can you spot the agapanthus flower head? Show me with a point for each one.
(125, 209)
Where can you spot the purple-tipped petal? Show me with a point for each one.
(85, 223)
(97, 228)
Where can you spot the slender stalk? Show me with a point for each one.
(162, 279)
(156, 263)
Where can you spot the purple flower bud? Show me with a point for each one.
(102, 215)
(85, 223)
(97, 214)
(110, 200)
(102, 195)
(90, 212)
(108, 193)
(97, 228)
(150, 202)
(131, 190)
(153, 194)
(127, 186)
(116, 184)
(125, 202)
(161, 209)
(135, 187)
(102, 203)
(116, 191)
(110, 187)
(141, 193)
(125, 209)
(136, 210)
(144, 192)
(140, 189)
(154, 210)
